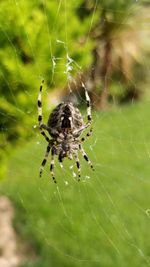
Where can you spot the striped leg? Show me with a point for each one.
(45, 159)
(60, 160)
(40, 104)
(87, 135)
(88, 102)
(86, 157)
(89, 117)
(52, 165)
(78, 166)
(45, 136)
(40, 118)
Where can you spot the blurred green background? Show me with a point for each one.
(104, 219)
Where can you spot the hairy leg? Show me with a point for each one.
(86, 157)
(40, 116)
(78, 166)
(45, 159)
(52, 165)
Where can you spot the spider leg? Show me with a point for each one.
(49, 129)
(88, 103)
(52, 165)
(87, 135)
(78, 165)
(45, 159)
(40, 117)
(60, 160)
(89, 117)
(40, 104)
(86, 157)
(81, 129)
(45, 136)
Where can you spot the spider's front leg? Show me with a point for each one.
(88, 103)
(80, 130)
(40, 117)
(89, 116)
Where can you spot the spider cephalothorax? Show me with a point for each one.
(65, 125)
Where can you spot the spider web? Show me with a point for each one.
(104, 219)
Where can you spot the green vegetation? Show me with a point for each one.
(101, 221)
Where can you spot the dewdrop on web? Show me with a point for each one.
(74, 174)
(147, 212)
(61, 165)
(66, 183)
(87, 177)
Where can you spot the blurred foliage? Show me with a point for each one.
(35, 43)
(120, 37)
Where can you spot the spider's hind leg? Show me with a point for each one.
(78, 166)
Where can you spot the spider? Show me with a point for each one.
(65, 125)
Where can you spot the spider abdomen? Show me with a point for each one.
(65, 117)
